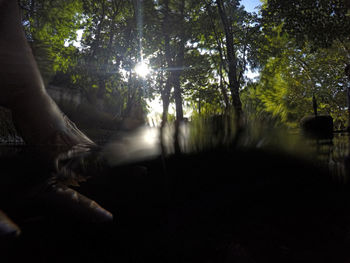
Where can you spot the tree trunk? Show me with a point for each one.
(35, 115)
(173, 63)
(221, 60)
(169, 82)
(177, 80)
(165, 94)
(179, 65)
(178, 97)
(347, 73)
(179, 111)
(223, 88)
(234, 84)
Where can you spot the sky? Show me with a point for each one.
(250, 5)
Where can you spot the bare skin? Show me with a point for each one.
(35, 115)
(37, 118)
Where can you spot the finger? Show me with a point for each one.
(72, 204)
(7, 227)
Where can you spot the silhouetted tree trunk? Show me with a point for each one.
(179, 66)
(347, 73)
(165, 94)
(174, 56)
(221, 62)
(234, 84)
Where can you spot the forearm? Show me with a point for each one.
(19, 73)
(35, 115)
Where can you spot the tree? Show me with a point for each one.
(291, 77)
(48, 26)
(102, 48)
(232, 34)
(172, 50)
(313, 24)
(318, 22)
(233, 75)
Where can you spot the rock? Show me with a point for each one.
(319, 127)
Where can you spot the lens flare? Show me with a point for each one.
(142, 69)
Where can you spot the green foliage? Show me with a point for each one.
(290, 76)
(299, 47)
(48, 25)
(210, 43)
(318, 22)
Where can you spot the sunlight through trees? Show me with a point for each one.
(200, 54)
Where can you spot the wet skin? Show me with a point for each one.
(37, 118)
(35, 115)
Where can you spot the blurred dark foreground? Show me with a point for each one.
(230, 202)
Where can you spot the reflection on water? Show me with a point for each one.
(147, 143)
(333, 154)
(127, 147)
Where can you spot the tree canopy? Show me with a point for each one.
(199, 54)
(320, 22)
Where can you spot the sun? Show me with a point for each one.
(142, 69)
